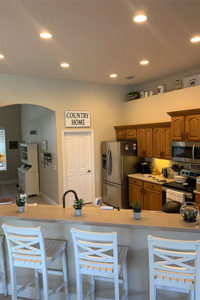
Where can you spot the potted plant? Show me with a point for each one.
(21, 201)
(137, 209)
(78, 203)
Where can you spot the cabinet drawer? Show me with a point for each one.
(153, 186)
(130, 133)
(135, 181)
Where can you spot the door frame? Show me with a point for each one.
(91, 133)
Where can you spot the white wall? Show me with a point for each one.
(43, 120)
(103, 101)
(154, 109)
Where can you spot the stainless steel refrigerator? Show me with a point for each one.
(118, 160)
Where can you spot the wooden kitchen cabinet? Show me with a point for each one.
(144, 142)
(192, 128)
(149, 194)
(185, 125)
(126, 134)
(135, 191)
(178, 128)
(162, 143)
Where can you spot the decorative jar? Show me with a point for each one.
(189, 211)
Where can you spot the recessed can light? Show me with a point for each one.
(64, 65)
(113, 75)
(140, 18)
(195, 39)
(144, 62)
(2, 56)
(45, 35)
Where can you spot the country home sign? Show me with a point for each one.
(77, 118)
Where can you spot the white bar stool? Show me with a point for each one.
(2, 264)
(174, 265)
(28, 249)
(99, 256)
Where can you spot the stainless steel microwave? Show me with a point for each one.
(186, 152)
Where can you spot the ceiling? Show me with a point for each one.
(98, 37)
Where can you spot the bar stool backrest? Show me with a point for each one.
(175, 259)
(95, 253)
(25, 246)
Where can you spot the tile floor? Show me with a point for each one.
(11, 191)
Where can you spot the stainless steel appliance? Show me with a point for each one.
(186, 152)
(118, 160)
(187, 188)
(145, 167)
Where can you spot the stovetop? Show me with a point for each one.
(179, 186)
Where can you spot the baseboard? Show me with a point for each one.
(48, 199)
(12, 181)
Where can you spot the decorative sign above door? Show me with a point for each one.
(77, 118)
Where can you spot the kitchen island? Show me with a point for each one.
(57, 222)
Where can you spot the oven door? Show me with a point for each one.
(188, 196)
(183, 152)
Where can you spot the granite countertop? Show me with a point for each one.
(159, 179)
(98, 217)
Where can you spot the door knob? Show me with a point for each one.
(88, 171)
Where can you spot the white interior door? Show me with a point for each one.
(78, 165)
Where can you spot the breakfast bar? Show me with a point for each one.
(56, 222)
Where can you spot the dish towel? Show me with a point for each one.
(172, 195)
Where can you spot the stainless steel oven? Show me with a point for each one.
(186, 152)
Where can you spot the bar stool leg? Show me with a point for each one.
(3, 271)
(79, 286)
(13, 283)
(92, 288)
(45, 284)
(125, 279)
(37, 285)
(65, 276)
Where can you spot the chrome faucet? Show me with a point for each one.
(69, 191)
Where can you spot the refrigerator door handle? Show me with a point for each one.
(109, 162)
(114, 184)
(110, 159)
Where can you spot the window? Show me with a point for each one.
(3, 163)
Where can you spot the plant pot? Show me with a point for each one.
(78, 211)
(137, 215)
(21, 208)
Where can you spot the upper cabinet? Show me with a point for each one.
(144, 142)
(162, 142)
(153, 140)
(185, 125)
(178, 128)
(125, 134)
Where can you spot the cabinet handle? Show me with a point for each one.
(163, 154)
(187, 135)
(182, 136)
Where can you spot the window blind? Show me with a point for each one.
(3, 165)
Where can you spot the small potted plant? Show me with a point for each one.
(137, 210)
(21, 201)
(78, 203)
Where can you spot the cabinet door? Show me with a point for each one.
(192, 128)
(166, 143)
(178, 132)
(140, 142)
(157, 142)
(130, 134)
(135, 193)
(119, 134)
(152, 199)
(148, 141)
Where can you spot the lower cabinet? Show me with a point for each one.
(149, 194)
(197, 200)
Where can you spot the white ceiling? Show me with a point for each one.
(98, 37)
